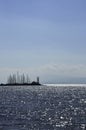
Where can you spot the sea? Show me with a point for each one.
(45, 107)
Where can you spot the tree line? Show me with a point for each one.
(17, 78)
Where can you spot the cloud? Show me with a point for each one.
(48, 72)
(64, 70)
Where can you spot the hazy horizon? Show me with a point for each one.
(43, 38)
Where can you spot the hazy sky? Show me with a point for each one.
(45, 38)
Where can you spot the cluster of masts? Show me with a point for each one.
(20, 79)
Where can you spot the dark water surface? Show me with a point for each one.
(42, 108)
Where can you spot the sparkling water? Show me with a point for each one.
(51, 107)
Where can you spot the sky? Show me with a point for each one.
(44, 38)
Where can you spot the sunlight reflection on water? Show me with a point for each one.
(43, 107)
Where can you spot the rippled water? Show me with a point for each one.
(42, 108)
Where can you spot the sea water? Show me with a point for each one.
(47, 107)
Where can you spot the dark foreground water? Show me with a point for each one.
(42, 108)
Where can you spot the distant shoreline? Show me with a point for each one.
(18, 84)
